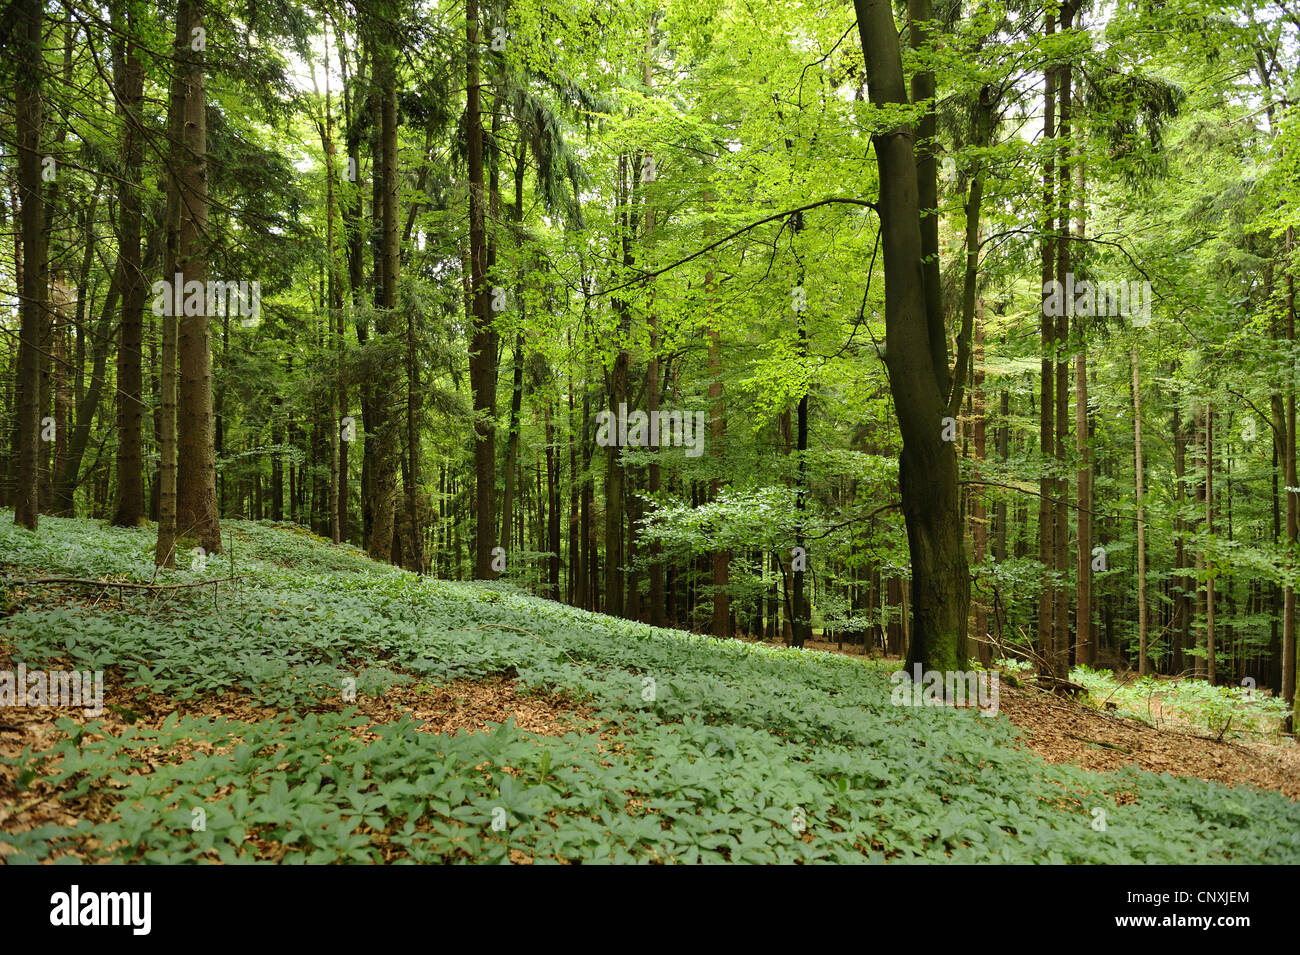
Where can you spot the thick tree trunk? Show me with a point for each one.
(334, 324)
(29, 115)
(387, 440)
(918, 381)
(196, 479)
(483, 344)
(129, 75)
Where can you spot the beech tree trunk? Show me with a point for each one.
(918, 372)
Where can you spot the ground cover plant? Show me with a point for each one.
(680, 748)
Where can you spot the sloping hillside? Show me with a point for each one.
(227, 735)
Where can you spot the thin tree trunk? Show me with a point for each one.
(552, 512)
(1182, 604)
(979, 515)
(1061, 538)
(655, 478)
(1047, 406)
(717, 434)
(1143, 664)
(1289, 647)
(1084, 647)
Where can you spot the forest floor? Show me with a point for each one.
(1062, 729)
(324, 708)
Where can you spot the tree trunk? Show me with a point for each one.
(979, 515)
(129, 75)
(1061, 533)
(721, 560)
(483, 345)
(1289, 648)
(614, 503)
(1210, 568)
(387, 439)
(918, 373)
(29, 116)
(69, 473)
(196, 476)
(552, 512)
(655, 477)
(512, 442)
(1084, 647)
(1143, 665)
(1182, 621)
(1047, 407)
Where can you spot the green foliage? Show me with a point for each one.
(712, 761)
(1223, 711)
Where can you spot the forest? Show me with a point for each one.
(649, 431)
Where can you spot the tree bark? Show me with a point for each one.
(1084, 648)
(387, 427)
(1289, 648)
(1209, 529)
(483, 344)
(979, 511)
(196, 474)
(918, 381)
(128, 73)
(1143, 664)
(1047, 407)
(1061, 533)
(29, 116)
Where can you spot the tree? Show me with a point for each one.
(196, 478)
(29, 116)
(916, 358)
(483, 341)
(128, 73)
